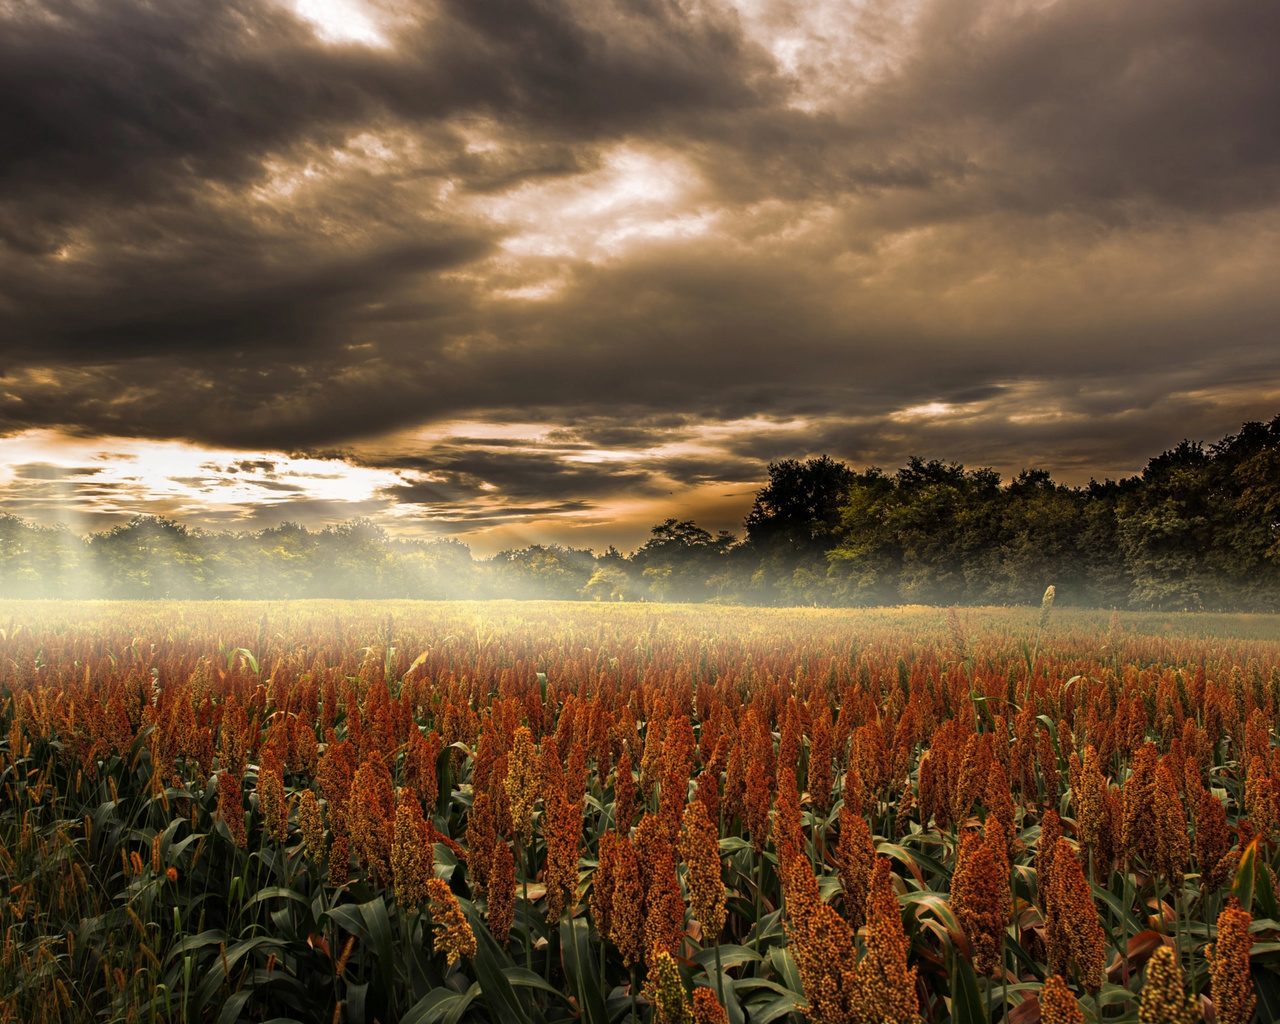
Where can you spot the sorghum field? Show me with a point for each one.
(535, 813)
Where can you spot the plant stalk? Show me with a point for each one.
(759, 896)
(719, 973)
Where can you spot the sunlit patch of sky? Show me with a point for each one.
(831, 51)
(342, 21)
(93, 483)
(635, 197)
(118, 477)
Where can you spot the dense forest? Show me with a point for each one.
(1198, 529)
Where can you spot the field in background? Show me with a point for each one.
(542, 812)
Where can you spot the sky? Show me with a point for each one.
(535, 271)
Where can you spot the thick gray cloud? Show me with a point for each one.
(652, 245)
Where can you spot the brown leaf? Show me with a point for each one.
(1026, 1012)
(1141, 946)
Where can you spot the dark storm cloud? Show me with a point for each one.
(640, 430)
(461, 519)
(694, 472)
(196, 312)
(1115, 102)
(45, 471)
(129, 98)
(1008, 234)
(125, 124)
(465, 475)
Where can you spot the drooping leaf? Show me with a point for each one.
(580, 967)
(778, 1006)
(966, 999)
(785, 965)
(730, 956)
(439, 1004)
(520, 977)
(1243, 884)
(490, 963)
(378, 922)
(1263, 895)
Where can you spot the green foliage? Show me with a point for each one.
(1199, 529)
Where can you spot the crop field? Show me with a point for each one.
(439, 813)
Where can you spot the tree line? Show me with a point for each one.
(1199, 528)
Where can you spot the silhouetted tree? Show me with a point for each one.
(792, 524)
(681, 561)
(799, 508)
